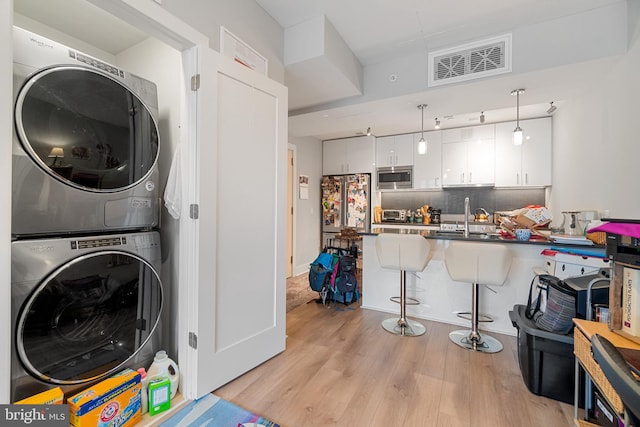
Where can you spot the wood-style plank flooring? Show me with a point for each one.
(341, 368)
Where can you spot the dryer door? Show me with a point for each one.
(89, 317)
(86, 129)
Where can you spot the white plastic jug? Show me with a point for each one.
(165, 367)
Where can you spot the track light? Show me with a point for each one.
(437, 126)
(422, 144)
(481, 116)
(552, 108)
(369, 131)
(517, 132)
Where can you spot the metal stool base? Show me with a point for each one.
(467, 315)
(409, 300)
(407, 327)
(475, 342)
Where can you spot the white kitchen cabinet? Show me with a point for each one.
(348, 155)
(394, 150)
(468, 156)
(526, 165)
(427, 168)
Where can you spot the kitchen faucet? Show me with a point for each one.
(467, 212)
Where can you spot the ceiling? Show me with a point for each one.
(377, 31)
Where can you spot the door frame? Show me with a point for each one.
(291, 237)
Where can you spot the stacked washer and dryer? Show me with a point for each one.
(85, 260)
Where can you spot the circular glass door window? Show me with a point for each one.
(86, 129)
(89, 317)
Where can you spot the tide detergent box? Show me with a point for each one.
(109, 403)
(53, 396)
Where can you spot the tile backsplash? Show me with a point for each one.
(451, 200)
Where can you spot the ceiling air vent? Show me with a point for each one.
(470, 61)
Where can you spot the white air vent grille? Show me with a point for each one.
(471, 61)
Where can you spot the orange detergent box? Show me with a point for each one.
(112, 402)
(53, 396)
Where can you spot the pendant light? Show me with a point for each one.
(517, 132)
(422, 144)
(437, 125)
(481, 116)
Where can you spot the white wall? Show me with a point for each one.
(244, 18)
(6, 107)
(163, 65)
(596, 141)
(307, 212)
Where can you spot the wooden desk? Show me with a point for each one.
(583, 332)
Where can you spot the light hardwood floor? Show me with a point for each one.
(341, 368)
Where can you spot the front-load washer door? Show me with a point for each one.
(89, 317)
(86, 129)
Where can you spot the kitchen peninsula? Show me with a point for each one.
(442, 298)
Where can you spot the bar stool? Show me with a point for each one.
(403, 252)
(477, 263)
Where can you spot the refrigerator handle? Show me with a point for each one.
(343, 205)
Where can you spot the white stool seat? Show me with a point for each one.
(474, 262)
(403, 252)
(477, 263)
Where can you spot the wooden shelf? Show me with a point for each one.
(584, 423)
(177, 403)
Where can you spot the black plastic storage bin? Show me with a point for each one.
(546, 359)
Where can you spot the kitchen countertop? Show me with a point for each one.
(477, 237)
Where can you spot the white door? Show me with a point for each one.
(236, 242)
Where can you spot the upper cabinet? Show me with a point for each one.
(348, 155)
(528, 164)
(468, 156)
(394, 150)
(427, 168)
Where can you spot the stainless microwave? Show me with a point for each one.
(395, 178)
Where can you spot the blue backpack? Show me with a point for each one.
(345, 284)
(320, 271)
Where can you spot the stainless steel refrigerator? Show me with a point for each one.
(345, 203)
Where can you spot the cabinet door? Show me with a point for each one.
(360, 154)
(536, 152)
(528, 164)
(481, 161)
(215, 288)
(454, 163)
(403, 150)
(508, 157)
(385, 151)
(427, 168)
(333, 157)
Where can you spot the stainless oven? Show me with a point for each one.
(394, 178)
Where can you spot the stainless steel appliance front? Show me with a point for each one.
(85, 144)
(83, 308)
(395, 178)
(394, 215)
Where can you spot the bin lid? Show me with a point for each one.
(581, 283)
(528, 326)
